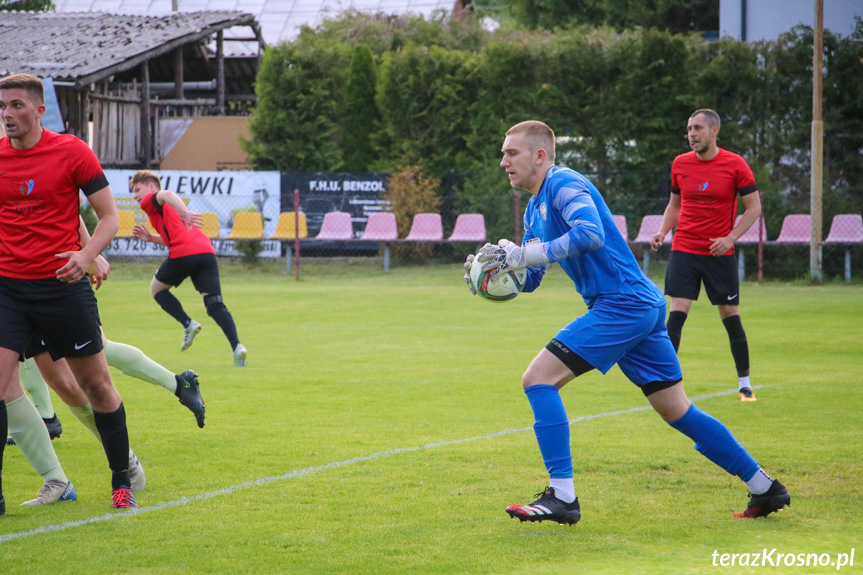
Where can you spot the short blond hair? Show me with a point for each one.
(145, 176)
(537, 135)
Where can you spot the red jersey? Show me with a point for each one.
(181, 241)
(39, 201)
(708, 198)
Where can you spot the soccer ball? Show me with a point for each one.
(503, 288)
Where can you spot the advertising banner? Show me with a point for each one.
(357, 194)
(222, 193)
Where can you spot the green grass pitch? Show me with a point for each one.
(380, 427)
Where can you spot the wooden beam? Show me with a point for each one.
(166, 48)
(220, 72)
(146, 136)
(178, 72)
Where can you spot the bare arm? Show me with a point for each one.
(168, 197)
(669, 220)
(79, 261)
(100, 268)
(752, 205)
(142, 233)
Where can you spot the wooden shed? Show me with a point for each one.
(123, 73)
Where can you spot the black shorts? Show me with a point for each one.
(203, 269)
(719, 273)
(65, 316)
(36, 347)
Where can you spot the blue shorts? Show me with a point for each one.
(629, 334)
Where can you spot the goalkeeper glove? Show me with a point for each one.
(508, 256)
(467, 264)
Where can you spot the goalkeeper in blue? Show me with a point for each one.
(568, 222)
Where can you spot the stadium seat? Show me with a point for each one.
(649, 226)
(247, 226)
(336, 226)
(127, 222)
(796, 229)
(381, 227)
(211, 225)
(426, 228)
(846, 229)
(620, 222)
(469, 228)
(750, 237)
(289, 222)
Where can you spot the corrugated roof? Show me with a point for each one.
(280, 20)
(86, 47)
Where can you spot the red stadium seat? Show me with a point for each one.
(426, 228)
(620, 222)
(649, 226)
(796, 229)
(469, 228)
(751, 235)
(336, 226)
(381, 227)
(846, 229)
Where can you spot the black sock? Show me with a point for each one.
(4, 431)
(739, 345)
(216, 309)
(115, 442)
(226, 321)
(172, 306)
(675, 322)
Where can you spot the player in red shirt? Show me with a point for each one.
(705, 184)
(42, 263)
(190, 255)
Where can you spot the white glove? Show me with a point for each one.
(509, 256)
(467, 264)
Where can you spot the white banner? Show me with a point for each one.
(223, 193)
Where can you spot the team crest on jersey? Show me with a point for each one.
(26, 188)
(543, 211)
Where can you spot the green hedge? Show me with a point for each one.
(445, 93)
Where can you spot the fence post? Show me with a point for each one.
(761, 240)
(297, 234)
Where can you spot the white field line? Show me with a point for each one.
(310, 471)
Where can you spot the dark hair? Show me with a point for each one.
(28, 82)
(709, 115)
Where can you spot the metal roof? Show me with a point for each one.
(87, 47)
(280, 20)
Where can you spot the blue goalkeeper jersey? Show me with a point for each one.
(570, 216)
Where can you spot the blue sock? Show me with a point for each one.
(551, 429)
(716, 443)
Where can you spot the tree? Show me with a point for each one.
(676, 16)
(26, 6)
(301, 89)
(361, 118)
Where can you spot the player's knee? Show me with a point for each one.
(213, 304)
